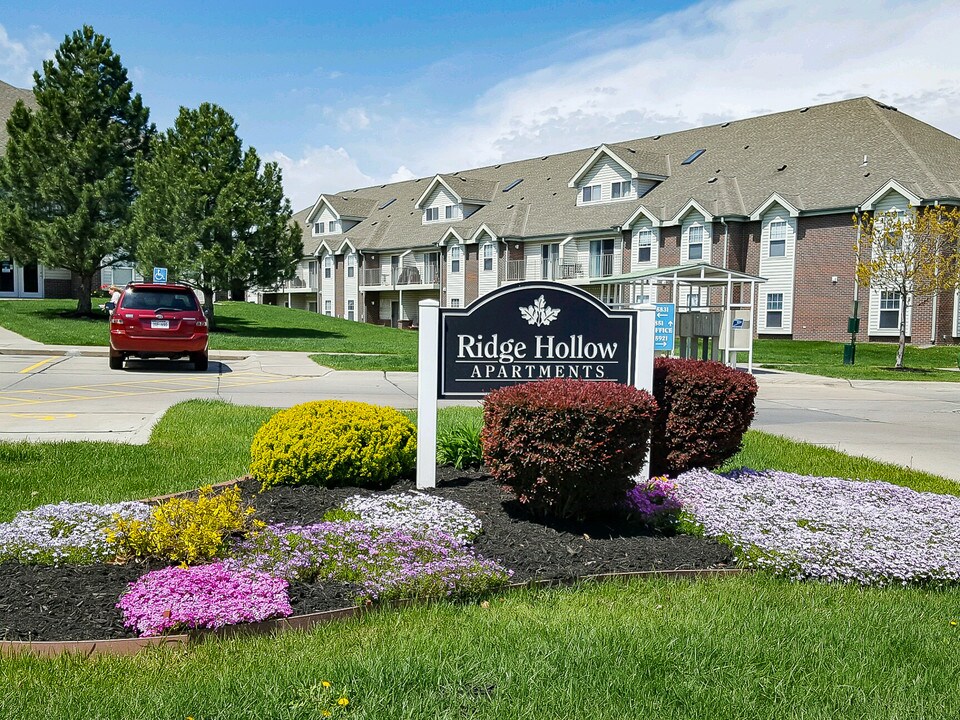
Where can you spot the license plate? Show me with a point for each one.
(160, 324)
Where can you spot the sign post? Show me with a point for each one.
(522, 333)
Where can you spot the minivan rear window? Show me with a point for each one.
(181, 300)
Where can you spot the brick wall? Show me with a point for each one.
(471, 277)
(625, 264)
(371, 305)
(670, 246)
(59, 288)
(824, 249)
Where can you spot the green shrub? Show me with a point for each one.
(704, 408)
(460, 446)
(567, 448)
(334, 443)
(185, 530)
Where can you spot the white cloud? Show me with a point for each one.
(319, 170)
(353, 119)
(20, 57)
(715, 61)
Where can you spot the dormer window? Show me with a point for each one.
(318, 228)
(591, 193)
(448, 212)
(431, 214)
(621, 189)
(778, 238)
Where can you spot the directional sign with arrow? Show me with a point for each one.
(663, 327)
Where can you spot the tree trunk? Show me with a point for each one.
(83, 295)
(903, 332)
(208, 304)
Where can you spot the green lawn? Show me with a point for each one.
(874, 361)
(239, 326)
(751, 646)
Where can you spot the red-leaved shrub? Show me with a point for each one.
(703, 410)
(567, 448)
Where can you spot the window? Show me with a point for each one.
(549, 261)
(645, 245)
(488, 256)
(621, 189)
(448, 212)
(331, 227)
(318, 228)
(695, 242)
(350, 309)
(601, 258)
(778, 238)
(591, 193)
(432, 214)
(774, 310)
(351, 265)
(328, 267)
(455, 258)
(328, 307)
(889, 310)
(454, 302)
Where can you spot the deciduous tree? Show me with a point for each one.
(209, 212)
(66, 180)
(915, 255)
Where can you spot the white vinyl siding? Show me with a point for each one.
(646, 246)
(603, 174)
(779, 270)
(437, 204)
(328, 284)
(892, 201)
(351, 285)
(61, 274)
(701, 232)
(956, 313)
(488, 279)
(325, 222)
(455, 283)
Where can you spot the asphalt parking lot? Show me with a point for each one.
(70, 394)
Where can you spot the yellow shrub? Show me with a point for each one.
(185, 530)
(334, 443)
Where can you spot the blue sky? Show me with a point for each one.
(356, 93)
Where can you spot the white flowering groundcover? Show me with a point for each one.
(802, 527)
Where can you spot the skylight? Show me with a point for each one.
(387, 204)
(694, 156)
(512, 185)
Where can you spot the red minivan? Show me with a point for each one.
(158, 320)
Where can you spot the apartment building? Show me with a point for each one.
(771, 196)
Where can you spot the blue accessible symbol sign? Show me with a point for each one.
(663, 328)
(159, 275)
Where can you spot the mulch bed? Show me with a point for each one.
(77, 602)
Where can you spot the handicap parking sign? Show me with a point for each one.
(159, 275)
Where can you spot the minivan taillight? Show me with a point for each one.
(201, 323)
(116, 320)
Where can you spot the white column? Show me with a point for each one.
(643, 373)
(427, 373)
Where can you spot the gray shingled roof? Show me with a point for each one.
(8, 98)
(813, 157)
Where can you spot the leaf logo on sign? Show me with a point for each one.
(539, 313)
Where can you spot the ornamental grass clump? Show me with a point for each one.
(830, 529)
(204, 596)
(334, 443)
(67, 533)
(567, 448)
(185, 530)
(460, 446)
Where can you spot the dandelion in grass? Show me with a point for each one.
(871, 533)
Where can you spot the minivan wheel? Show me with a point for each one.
(199, 361)
(116, 362)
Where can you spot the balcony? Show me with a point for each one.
(404, 276)
(543, 270)
(296, 284)
(601, 266)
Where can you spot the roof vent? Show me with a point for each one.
(382, 187)
(781, 168)
(866, 174)
(496, 166)
(418, 180)
(803, 110)
(387, 204)
(746, 147)
(632, 150)
(512, 185)
(374, 222)
(657, 137)
(693, 156)
(544, 157)
(712, 180)
(726, 124)
(510, 207)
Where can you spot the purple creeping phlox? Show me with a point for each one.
(387, 563)
(203, 596)
(415, 511)
(871, 533)
(655, 501)
(65, 532)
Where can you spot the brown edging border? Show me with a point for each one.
(131, 646)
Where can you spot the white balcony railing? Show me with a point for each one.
(403, 276)
(543, 270)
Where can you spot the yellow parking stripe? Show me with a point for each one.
(39, 364)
